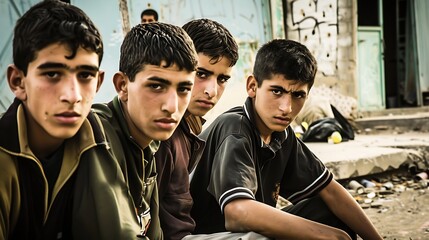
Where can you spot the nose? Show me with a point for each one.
(286, 104)
(71, 91)
(211, 88)
(170, 104)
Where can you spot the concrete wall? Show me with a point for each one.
(328, 29)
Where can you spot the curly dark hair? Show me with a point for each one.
(49, 22)
(153, 44)
(291, 59)
(212, 39)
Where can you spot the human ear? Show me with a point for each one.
(100, 79)
(251, 86)
(15, 79)
(120, 81)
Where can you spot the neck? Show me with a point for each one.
(266, 139)
(134, 131)
(40, 142)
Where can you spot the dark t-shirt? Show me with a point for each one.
(237, 164)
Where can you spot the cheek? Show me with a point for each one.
(89, 91)
(183, 103)
(297, 107)
(88, 97)
(220, 90)
(198, 88)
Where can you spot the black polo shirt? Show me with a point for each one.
(237, 164)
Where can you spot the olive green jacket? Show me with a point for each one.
(90, 199)
(141, 169)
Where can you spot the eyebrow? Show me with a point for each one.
(211, 72)
(167, 82)
(204, 70)
(50, 65)
(286, 91)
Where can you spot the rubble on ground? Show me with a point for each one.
(375, 191)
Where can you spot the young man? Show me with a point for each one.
(252, 156)
(149, 16)
(177, 157)
(156, 74)
(49, 137)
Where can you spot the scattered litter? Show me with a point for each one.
(372, 192)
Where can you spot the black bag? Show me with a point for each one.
(320, 130)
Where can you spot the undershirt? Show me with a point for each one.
(52, 166)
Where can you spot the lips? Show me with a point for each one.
(282, 120)
(69, 117)
(166, 123)
(205, 103)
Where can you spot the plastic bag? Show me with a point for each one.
(320, 130)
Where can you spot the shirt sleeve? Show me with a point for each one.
(233, 171)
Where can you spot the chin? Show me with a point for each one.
(162, 137)
(64, 133)
(279, 128)
(199, 111)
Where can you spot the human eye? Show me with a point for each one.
(299, 95)
(86, 76)
(223, 80)
(184, 90)
(52, 75)
(277, 92)
(202, 74)
(155, 87)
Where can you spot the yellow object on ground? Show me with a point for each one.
(336, 137)
(304, 126)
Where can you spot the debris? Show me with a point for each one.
(366, 183)
(353, 184)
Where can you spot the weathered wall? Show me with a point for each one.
(328, 29)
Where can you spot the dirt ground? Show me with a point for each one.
(398, 205)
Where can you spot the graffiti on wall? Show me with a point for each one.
(315, 24)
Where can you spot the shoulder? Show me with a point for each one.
(9, 175)
(102, 110)
(8, 163)
(233, 121)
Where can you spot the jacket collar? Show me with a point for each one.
(277, 138)
(13, 127)
(195, 123)
(116, 105)
(9, 128)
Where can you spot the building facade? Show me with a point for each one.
(370, 53)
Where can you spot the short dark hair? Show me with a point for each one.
(154, 43)
(150, 12)
(49, 22)
(212, 39)
(291, 59)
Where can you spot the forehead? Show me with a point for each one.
(60, 52)
(206, 61)
(171, 74)
(148, 17)
(279, 80)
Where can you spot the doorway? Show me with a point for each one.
(371, 80)
(396, 19)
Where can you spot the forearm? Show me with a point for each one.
(348, 210)
(248, 215)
